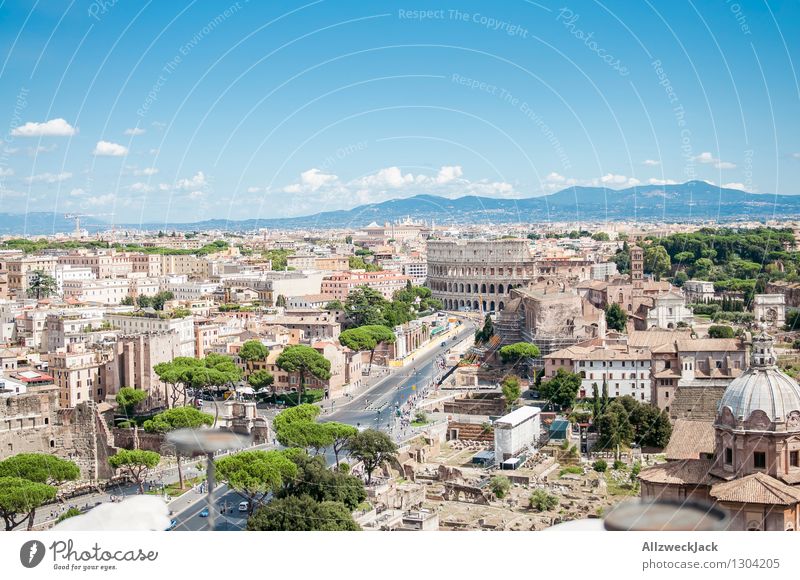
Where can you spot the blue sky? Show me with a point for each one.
(182, 111)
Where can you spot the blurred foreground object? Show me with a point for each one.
(654, 516)
(208, 441)
(140, 513)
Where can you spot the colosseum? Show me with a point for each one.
(478, 274)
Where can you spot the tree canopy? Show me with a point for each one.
(19, 499)
(128, 397)
(616, 319)
(517, 351)
(256, 474)
(135, 463)
(40, 467)
(366, 338)
(253, 350)
(305, 361)
(41, 285)
(562, 388)
(511, 390)
(302, 514)
(373, 448)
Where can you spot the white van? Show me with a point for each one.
(244, 506)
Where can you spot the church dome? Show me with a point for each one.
(763, 398)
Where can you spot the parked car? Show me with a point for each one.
(204, 513)
(172, 524)
(244, 506)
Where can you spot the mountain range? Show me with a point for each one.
(690, 201)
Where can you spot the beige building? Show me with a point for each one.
(144, 323)
(135, 357)
(79, 374)
(339, 286)
(103, 291)
(103, 263)
(20, 268)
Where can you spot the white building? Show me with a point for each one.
(626, 371)
(698, 290)
(70, 274)
(105, 291)
(417, 271)
(516, 433)
(192, 290)
(668, 311)
(142, 323)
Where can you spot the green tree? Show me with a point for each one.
(680, 278)
(334, 305)
(256, 474)
(487, 332)
(601, 465)
(19, 499)
(511, 390)
(135, 463)
(40, 467)
(373, 448)
(260, 379)
(596, 403)
(542, 501)
(500, 486)
(128, 397)
(365, 306)
(616, 319)
(720, 331)
(302, 514)
(340, 434)
(600, 236)
(604, 397)
(305, 361)
(518, 351)
(178, 418)
(562, 388)
(657, 261)
(366, 338)
(280, 301)
(253, 351)
(158, 300)
(41, 285)
(614, 427)
(70, 513)
(315, 480)
(128, 301)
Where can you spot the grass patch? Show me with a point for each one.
(574, 469)
(174, 490)
(419, 423)
(626, 488)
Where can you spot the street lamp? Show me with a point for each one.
(208, 441)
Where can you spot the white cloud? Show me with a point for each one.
(448, 173)
(615, 179)
(253, 190)
(141, 187)
(109, 149)
(51, 128)
(651, 162)
(6, 171)
(655, 181)
(735, 185)
(77, 192)
(99, 200)
(707, 159)
(153, 152)
(49, 177)
(158, 125)
(311, 180)
(197, 181)
(134, 131)
(146, 171)
(196, 194)
(386, 178)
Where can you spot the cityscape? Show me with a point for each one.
(333, 267)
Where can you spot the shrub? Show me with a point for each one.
(541, 501)
(500, 485)
(571, 469)
(619, 465)
(600, 465)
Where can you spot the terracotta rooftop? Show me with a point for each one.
(756, 488)
(683, 472)
(689, 439)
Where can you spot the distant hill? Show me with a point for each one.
(693, 200)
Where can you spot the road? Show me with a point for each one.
(375, 407)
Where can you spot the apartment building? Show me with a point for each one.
(20, 268)
(143, 323)
(105, 291)
(79, 373)
(103, 263)
(339, 286)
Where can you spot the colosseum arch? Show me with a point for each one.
(460, 287)
(500, 289)
(491, 306)
(475, 305)
(491, 288)
(483, 288)
(501, 306)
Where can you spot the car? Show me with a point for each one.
(204, 513)
(443, 344)
(244, 506)
(173, 523)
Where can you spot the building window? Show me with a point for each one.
(759, 460)
(794, 458)
(728, 456)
